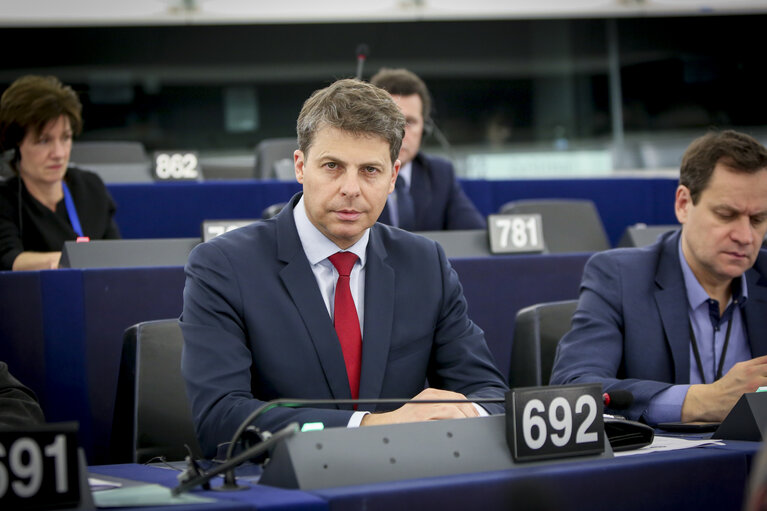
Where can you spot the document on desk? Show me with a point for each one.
(144, 495)
(97, 484)
(669, 443)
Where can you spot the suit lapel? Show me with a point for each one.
(301, 285)
(379, 315)
(671, 299)
(756, 319)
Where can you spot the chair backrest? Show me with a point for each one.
(273, 210)
(537, 331)
(5, 169)
(113, 161)
(108, 152)
(641, 235)
(665, 153)
(274, 158)
(569, 225)
(461, 243)
(152, 414)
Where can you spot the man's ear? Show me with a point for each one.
(298, 164)
(394, 174)
(682, 203)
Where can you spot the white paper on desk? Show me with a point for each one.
(97, 484)
(669, 443)
(143, 495)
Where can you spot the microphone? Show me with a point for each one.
(230, 464)
(362, 54)
(618, 399)
(622, 433)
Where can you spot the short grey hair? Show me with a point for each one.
(353, 106)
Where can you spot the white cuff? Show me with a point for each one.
(356, 418)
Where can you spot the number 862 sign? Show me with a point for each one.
(555, 421)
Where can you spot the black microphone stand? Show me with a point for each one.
(230, 464)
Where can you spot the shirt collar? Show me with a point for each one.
(317, 246)
(696, 295)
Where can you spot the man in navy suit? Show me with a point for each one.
(682, 324)
(261, 303)
(428, 195)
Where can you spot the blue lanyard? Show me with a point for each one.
(71, 211)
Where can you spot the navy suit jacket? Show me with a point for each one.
(256, 328)
(439, 202)
(631, 327)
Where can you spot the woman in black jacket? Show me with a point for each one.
(46, 202)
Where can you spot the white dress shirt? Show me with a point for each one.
(318, 248)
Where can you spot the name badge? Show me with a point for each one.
(515, 233)
(555, 422)
(176, 166)
(39, 467)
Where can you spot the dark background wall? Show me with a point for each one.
(494, 82)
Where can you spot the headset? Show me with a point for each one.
(21, 217)
(7, 160)
(429, 128)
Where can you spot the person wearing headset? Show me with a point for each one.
(46, 202)
(428, 196)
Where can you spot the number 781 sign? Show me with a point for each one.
(515, 233)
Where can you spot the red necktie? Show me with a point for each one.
(346, 321)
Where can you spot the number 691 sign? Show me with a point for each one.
(515, 233)
(39, 467)
(555, 421)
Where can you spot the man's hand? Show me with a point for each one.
(712, 402)
(413, 412)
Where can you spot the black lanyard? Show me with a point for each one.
(724, 350)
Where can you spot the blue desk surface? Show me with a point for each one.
(176, 210)
(256, 497)
(695, 479)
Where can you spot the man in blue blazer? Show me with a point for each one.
(434, 199)
(261, 303)
(682, 324)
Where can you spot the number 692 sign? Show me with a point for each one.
(555, 421)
